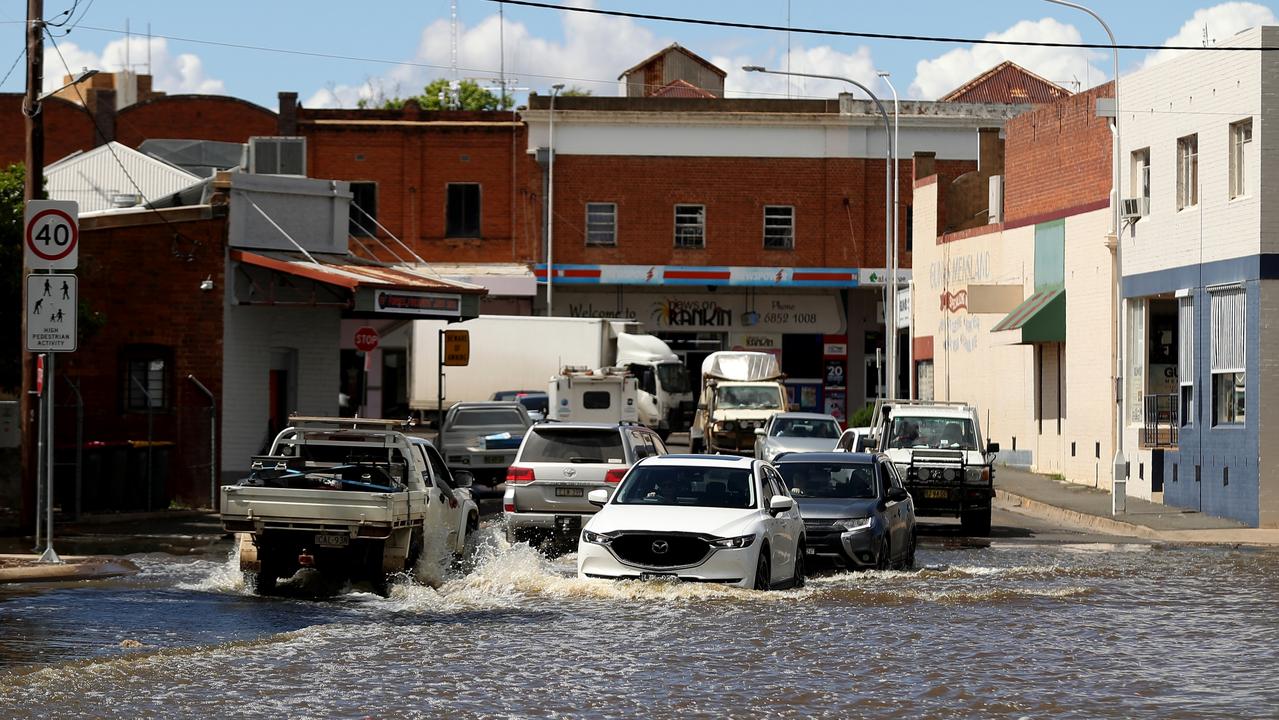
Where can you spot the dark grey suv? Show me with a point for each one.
(856, 512)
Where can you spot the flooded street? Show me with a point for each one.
(1020, 628)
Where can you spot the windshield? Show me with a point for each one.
(748, 397)
(575, 446)
(805, 428)
(684, 485)
(829, 480)
(485, 417)
(673, 377)
(943, 433)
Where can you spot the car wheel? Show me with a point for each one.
(800, 571)
(763, 570)
(885, 559)
(909, 562)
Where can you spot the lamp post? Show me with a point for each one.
(890, 318)
(892, 272)
(1120, 464)
(550, 206)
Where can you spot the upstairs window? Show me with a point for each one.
(463, 216)
(147, 380)
(690, 226)
(601, 224)
(1240, 139)
(1228, 354)
(363, 209)
(1141, 172)
(1187, 172)
(779, 227)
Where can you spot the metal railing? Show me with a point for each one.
(1162, 417)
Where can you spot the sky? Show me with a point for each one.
(389, 48)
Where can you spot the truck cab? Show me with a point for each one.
(937, 447)
(740, 392)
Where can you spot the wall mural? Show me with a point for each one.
(950, 279)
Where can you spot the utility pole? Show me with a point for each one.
(32, 190)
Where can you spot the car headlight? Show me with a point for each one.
(596, 538)
(733, 543)
(855, 523)
(976, 475)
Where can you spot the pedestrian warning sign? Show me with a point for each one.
(51, 313)
(457, 348)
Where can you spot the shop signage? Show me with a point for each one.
(756, 312)
(405, 302)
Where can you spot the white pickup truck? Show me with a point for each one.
(353, 499)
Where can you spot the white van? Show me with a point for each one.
(607, 395)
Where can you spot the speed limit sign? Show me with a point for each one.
(52, 234)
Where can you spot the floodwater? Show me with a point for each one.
(1013, 629)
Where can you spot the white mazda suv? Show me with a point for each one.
(698, 518)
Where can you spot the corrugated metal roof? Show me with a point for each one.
(1007, 82)
(91, 178)
(351, 272)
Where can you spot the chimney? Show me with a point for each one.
(925, 164)
(104, 115)
(287, 120)
(990, 152)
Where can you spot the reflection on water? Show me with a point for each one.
(1005, 631)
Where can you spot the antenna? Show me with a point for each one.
(1207, 40)
(501, 52)
(453, 38)
(126, 44)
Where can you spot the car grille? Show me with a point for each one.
(644, 549)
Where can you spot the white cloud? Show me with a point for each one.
(181, 73)
(940, 75)
(1221, 21)
(821, 60)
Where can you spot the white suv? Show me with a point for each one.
(701, 518)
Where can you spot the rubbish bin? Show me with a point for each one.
(105, 472)
(158, 452)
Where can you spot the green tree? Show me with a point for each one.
(11, 188)
(438, 96)
(576, 91)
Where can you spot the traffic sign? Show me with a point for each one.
(366, 339)
(457, 348)
(52, 234)
(51, 313)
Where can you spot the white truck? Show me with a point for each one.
(607, 395)
(522, 353)
(741, 390)
(351, 499)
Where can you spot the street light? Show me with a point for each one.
(890, 330)
(897, 151)
(550, 206)
(1120, 464)
(85, 74)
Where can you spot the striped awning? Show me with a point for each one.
(1040, 317)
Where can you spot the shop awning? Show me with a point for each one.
(1040, 317)
(364, 287)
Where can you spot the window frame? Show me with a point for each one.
(146, 353)
(1239, 158)
(700, 226)
(1188, 172)
(1140, 171)
(1232, 361)
(461, 232)
(789, 227)
(612, 229)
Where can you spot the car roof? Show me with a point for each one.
(855, 458)
(713, 460)
(488, 404)
(804, 416)
(932, 411)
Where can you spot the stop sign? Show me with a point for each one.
(366, 339)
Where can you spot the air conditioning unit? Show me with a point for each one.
(269, 155)
(1135, 208)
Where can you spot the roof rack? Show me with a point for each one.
(311, 422)
(951, 403)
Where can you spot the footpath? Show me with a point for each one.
(1087, 508)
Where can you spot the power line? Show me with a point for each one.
(863, 35)
(21, 53)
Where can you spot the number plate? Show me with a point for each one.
(937, 494)
(494, 458)
(568, 492)
(568, 524)
(659, 577)
(332, 539)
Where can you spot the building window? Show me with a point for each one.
(1187, 172)
(779, 227)
(690, 226)
(1135, 359)
(1240, 139)
(363, 209)
(601, 223)
(147, 378)
(463, 210)
(1228, 354)
(1186, 357)
(1141, 172)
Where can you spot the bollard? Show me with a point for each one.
(1119, 489)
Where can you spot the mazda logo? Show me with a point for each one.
(570, 472)
(661, 547)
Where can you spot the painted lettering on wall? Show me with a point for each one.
(588, 310)
(959, 270)
(954, 301)
(959, 334)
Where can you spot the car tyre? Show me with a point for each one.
(975, 522)
(763, 570)
(908, 563)
(800, 571)
(884, 561)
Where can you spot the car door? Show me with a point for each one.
(892, 513)
(786, 529)
(441, 509)
(445, 482)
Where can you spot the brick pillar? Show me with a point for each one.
(104, 116)
(990, 152)
(287, 120)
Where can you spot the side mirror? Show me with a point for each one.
(779, 504)
(598, 498)
(896, 494)
(870, 444)
(992, 448)
(463, 478)
(760, 432)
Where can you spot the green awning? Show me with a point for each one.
(1040, 317)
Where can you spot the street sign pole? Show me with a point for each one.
(50, 556)
(39, 454)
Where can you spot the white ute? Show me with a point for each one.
(696, 518)
(353, 499)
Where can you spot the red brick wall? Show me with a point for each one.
(1057, 157)
(141, 281)
(201, 117)
(67, 128)
(829, 232)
